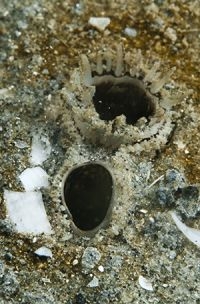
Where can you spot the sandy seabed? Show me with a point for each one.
(49, 58)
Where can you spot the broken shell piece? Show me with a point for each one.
(27, 212)
(87, 192)
(145, 283)
(34, 178)
(99, 22)
(93, 283)
(43, 252)
(191, 233)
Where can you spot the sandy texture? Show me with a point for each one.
(155, 162)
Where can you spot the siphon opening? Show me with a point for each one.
(124, 95)
(88, 191)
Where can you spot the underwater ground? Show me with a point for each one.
(56, 113)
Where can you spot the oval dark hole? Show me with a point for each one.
(88, 191)
(125, 95)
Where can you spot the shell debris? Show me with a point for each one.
(99, 23)
(26, 210)
(131, 32)
(192, 234)
(43, 252)
(34, 178)
(93, 283)
(145, 283)
(40, 149)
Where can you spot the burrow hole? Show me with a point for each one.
(124, 95)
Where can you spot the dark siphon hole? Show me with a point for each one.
(88, 192)
(125, 95)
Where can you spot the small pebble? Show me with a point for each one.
(164, 197)
(80, 299)
(90, 258)
(2, 269)
(22, 25)
(172, 254)
(9, 285)
(8, 256)
(174, 178)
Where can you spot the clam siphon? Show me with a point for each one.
(88, 194)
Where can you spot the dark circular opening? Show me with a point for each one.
(125, 95)
(88, 193)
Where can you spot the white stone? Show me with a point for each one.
(40, 150)
(99, 22)
(34, 179)
(43, 252)
(145, 283)
(26, 211)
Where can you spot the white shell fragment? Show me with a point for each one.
(34, 178)
(101, 268)
(192, 234)
(26, 211)
(21, 144)
(40, 150)
(44, 252)
(145, 283)
(131, 32)
(93, 283)
(99, 22)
